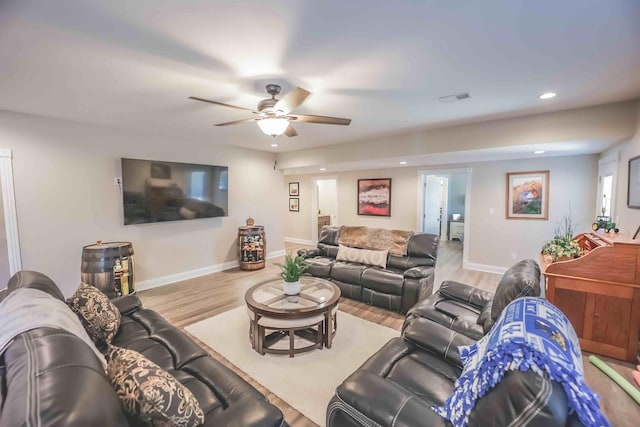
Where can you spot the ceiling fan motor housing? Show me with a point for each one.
(266, 105)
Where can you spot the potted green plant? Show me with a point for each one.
(290, 271)
(562, 246)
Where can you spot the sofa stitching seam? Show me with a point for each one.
(402, 405)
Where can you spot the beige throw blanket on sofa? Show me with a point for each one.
(25, 309)
(394, 241)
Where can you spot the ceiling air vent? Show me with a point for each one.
(455, 98)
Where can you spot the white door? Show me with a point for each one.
(325, 203)
(432, 209)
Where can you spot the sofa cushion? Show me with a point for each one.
(149, 392)
(99, 316)
(348, 272)
(362, 256)
(522, 279)
(383, 281)
(320, 266)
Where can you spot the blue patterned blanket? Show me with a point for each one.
(531, 333)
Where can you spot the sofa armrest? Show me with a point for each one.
(369, 399)
(436, 339)
(465, 293)
(308, 253)
(419, 272)
(127, 304)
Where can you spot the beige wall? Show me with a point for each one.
(628, 220)
(66, 198)
(298, 224)
(611, 122)
(492, 238)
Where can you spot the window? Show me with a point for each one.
(607, 171)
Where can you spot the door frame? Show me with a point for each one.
(314, 204)
(467, 203)
(10, 212)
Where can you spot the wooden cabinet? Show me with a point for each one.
(456, 230)
(322, 221)
(600, 293)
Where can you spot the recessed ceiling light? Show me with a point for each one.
(548, 95)
(274, 145)
(538, 152)
(323, 169)
(403, 163)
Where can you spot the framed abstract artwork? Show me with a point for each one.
(528, 195)
(374, 197)
(633, 188)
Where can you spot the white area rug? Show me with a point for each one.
(306, 381)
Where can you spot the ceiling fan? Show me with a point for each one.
(273, 115)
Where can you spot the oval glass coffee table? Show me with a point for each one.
(310, 315)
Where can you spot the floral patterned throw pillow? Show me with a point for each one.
(149, 392)
(99, 316)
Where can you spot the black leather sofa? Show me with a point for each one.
(48, 377)
(400, 383)
(405, 281)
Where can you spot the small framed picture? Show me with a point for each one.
(294, 189)
(294, 205)
(528, 195)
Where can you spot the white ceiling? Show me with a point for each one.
(133, 64)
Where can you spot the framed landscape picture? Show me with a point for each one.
(294, 205)
(294, 189)
(528, 195)
(374, 197)
(633, 189)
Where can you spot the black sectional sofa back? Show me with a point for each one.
(51, 377)
(404, 281)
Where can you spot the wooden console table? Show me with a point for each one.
(600, 293)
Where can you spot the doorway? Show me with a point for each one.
(324, 205)
(443, 206)
(10, 262)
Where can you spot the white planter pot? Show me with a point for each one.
(291, 288)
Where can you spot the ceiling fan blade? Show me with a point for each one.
(291, 100)
(219, 103)
(326, 120)
(237, 122)
(290, 131)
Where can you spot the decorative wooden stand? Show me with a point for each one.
(253, 246)
(600, 293)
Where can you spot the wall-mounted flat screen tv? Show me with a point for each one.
(157, 191)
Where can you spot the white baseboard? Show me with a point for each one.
(276, 254)
(298, 241)
(185, 275)
(484, 267)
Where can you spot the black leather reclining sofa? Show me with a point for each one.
(50, 378)
(405, 281)
(400, 383)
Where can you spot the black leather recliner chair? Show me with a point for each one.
(400, 383)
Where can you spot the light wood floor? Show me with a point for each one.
(187, 302)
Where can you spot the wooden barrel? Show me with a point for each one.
(253, 247)
(109, 267)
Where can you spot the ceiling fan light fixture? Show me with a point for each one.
(273, 126)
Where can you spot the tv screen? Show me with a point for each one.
(156, 191)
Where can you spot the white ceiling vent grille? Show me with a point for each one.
(454, 98)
